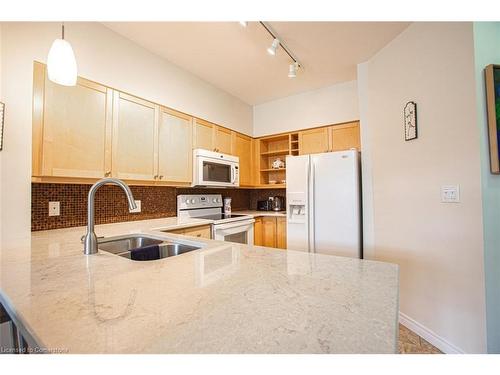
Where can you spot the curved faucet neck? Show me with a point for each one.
(90, 240)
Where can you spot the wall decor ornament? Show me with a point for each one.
(2, 118)
(492, 81)
(410, 120)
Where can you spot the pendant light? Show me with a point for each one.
(61, 62)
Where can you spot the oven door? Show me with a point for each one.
(213, 172)
(239, 232)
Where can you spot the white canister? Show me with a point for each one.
(227, 205)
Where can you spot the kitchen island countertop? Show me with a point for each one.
(224, 298)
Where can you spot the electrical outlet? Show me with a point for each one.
(54, 208)
(450, 194)
(138, 209)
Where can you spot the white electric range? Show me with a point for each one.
(226, 227)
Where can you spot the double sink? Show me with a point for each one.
(140, 247)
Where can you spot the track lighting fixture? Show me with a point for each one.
(295, 65)
(272, 50)
(61, 62)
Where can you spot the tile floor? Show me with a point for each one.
(411, 343)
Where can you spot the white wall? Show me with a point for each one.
(439, 247)
(103, 56)
(486, 42)
(1, 100)
(325, 106)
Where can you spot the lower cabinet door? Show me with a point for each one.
(257, 231)
(281, 232)
(269, 231)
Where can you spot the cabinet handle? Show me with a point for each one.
(155, 177)
(161, 177)
(107, 174)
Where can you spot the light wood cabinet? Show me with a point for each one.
(212, 137)
(243, 149)
(134, 138)
(270, 231)
(257, 231)
(345, 136)
(174, 146)
(203, 136)
(281, 232)
(71, 128)
(204, 231)
(223, 140)
(90, 131)
(313, 141)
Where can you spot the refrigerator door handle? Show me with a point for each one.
(312, 247)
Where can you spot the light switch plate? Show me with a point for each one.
(54, 208)
(450, 194)
(138, 209)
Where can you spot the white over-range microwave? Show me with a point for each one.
(215, 169)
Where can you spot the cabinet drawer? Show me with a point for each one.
(203, 232)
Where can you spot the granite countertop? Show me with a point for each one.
(224, 298)
(256, 213)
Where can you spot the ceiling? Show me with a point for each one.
(234, 58)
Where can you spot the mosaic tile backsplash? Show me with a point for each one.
(111, 205)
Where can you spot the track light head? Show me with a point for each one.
(272, 50)
(292, 70)
(243, 23)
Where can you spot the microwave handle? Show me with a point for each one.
(233, 175)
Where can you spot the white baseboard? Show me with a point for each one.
(429, 335)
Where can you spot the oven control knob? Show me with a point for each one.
(192, 201)
(187, 201)
(214, 200)
(218, 200)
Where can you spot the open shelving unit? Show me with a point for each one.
(273, 148)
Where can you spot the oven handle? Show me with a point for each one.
(234, 224)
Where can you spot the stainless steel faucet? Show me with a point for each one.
(90, 239)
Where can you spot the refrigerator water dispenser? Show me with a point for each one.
(296, 207)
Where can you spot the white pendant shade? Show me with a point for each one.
(61, 63)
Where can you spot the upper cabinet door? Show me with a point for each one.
(174, 146)
(204, 134)
(313, 141)
(134, 133)
(243, 149)
(71, 127)
(345, 136)
(223, 140)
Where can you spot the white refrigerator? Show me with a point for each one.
(324, 203)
